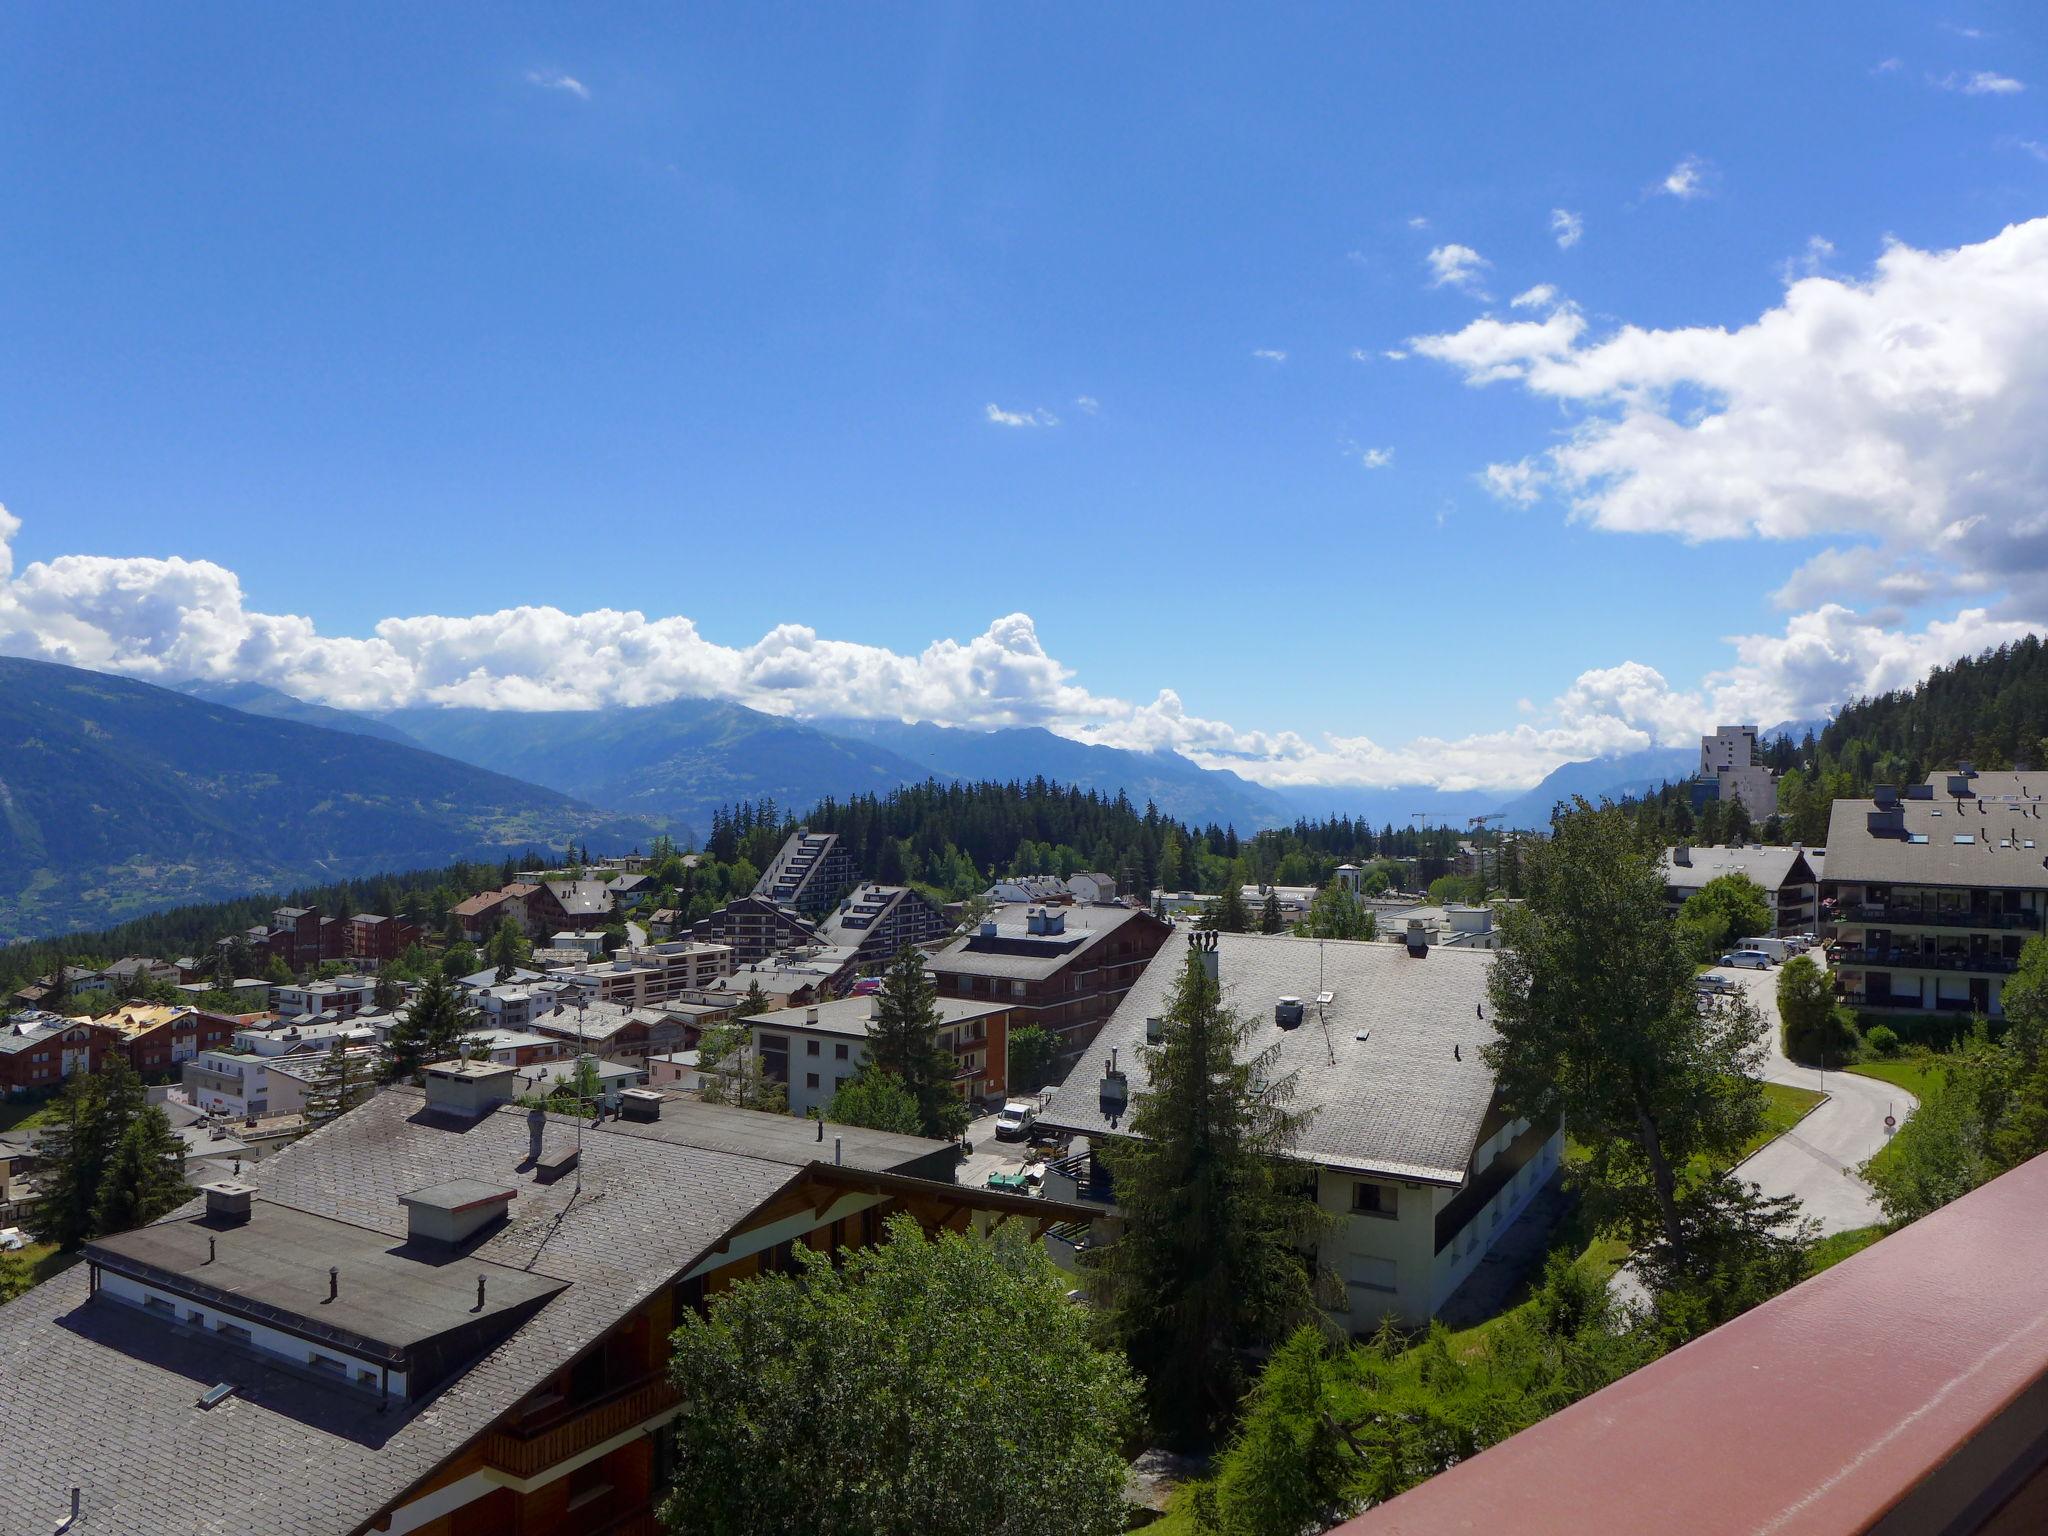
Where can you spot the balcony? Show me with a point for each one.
(1892, 916)
(1079, 1177)
(1904, 1391)
(539, 1443)
(1914, 960)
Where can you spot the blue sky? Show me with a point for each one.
(889, 324)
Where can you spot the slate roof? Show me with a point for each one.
(107, 1395)
(1402, 1103)
(582, 898)
(2003, 817)
(854, 1016)
(1771, 868)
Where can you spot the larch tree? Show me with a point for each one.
(903, 1040)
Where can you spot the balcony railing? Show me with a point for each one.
(1915, 960)
(524, 1452)
(1831, 1410)
(1089, 1178)
(1927, 917)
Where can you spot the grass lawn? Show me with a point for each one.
(1916, 1074)
(1830, 1251)
(1784, 1107)
(18, 1114)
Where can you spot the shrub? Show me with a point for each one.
(1882, 1040)
(1828, 1041)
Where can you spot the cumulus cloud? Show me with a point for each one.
(1567, 226)
(1542, 296)
(555, 80)
(1087, 403)
(996, 416)
(1269, 354)
(169, 620)
(1418, 222)
(1375, 458)
(1685, 180)
(1456, 266)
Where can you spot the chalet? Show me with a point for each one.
(440, 1314)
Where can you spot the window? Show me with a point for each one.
(839, 1051)
(196, 1317)
(810, 1079)
(366, 1378)
(1369, 1199)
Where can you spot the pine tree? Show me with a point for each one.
(508, 949)
(342, 1082)
(903, 1040)
(1216, 1216)
(437, 1027)
(1270, 920)
(92, 1115)
(144, 1176)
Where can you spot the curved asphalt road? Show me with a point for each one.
(1817, 1158)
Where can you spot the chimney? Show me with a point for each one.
(228, 1200)
(641, 1104)
(333, 1281)
(1287, 1012)
(469, 1088)
(811, 1014)
(838, 1150)
(1418, 939)
(454, 1211)
(1682, 856)
(1203, 941)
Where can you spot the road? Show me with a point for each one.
(1816, 1159)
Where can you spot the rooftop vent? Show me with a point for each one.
(639, 1104)
(454, 1211)
(1682, 856)
(1287, 1012)
(1418, 938)
(227, 1200)
(988, 927)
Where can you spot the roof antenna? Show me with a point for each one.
(1457, 1051)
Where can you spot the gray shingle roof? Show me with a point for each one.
(107, 1396)
(854, 1016)
(1770, 867)
(2002, 817)
(1014, 951)
(1402, 1102)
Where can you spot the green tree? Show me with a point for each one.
(755, 1002)
(387, 993)
(144, 1176)
(343, 1081)
(508, 949)
(1337, 914)
(1032, 1053)
(436, 1027)
(1270, 918)
(16, 1276)
(730, 1071)
(877, 1100)
(1596, 1022)
(458, 961)
(903, 1040)
(91, 1117)
(1217, 1216)
(1227, 913)
(1726, 908)
(1815, 1027)
(909, 1356)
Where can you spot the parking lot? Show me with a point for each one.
(992, 1156)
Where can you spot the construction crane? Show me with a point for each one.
(1478, 823)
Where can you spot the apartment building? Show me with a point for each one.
(809, 873)
(639, 978)
(1730, 762)
(1418, 1164)
(375, 940)
(1790, 883)
(1064, 969)
(878, 920)
(754, 928)
(228, 1082)
(813, 1050)
(159, 1038)
(1932, 892)
(441, 1315)
(342, 996)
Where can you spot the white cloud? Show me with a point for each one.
(2033, 147)
(1393, 354)
(1375, 458)
(1887, 66)
(1087, 403)
(1567, 226)
(1418, 222)
(1456, 266)
(1269, 354)
(1686, 180)
(996, 416)
(554, 80)
(1980, 82)
(1360, 355)
(173, 619)
(1809, 262)
(1489, 350)
(1542, 296)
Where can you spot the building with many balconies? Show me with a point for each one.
(1932, 892)
(1790, 884)
(809, 874)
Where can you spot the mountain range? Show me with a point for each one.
(119, 798)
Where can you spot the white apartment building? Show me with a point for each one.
(235, 1083)
(1415, 1157)
(1729, 758)
(636, 978)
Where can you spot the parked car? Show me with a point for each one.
(1014, 1120)
(1713, 985)
(1746, 960)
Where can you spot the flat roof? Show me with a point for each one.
(1388, 1073)
(854, 1016)
(390, 1294)
(777, 1138)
